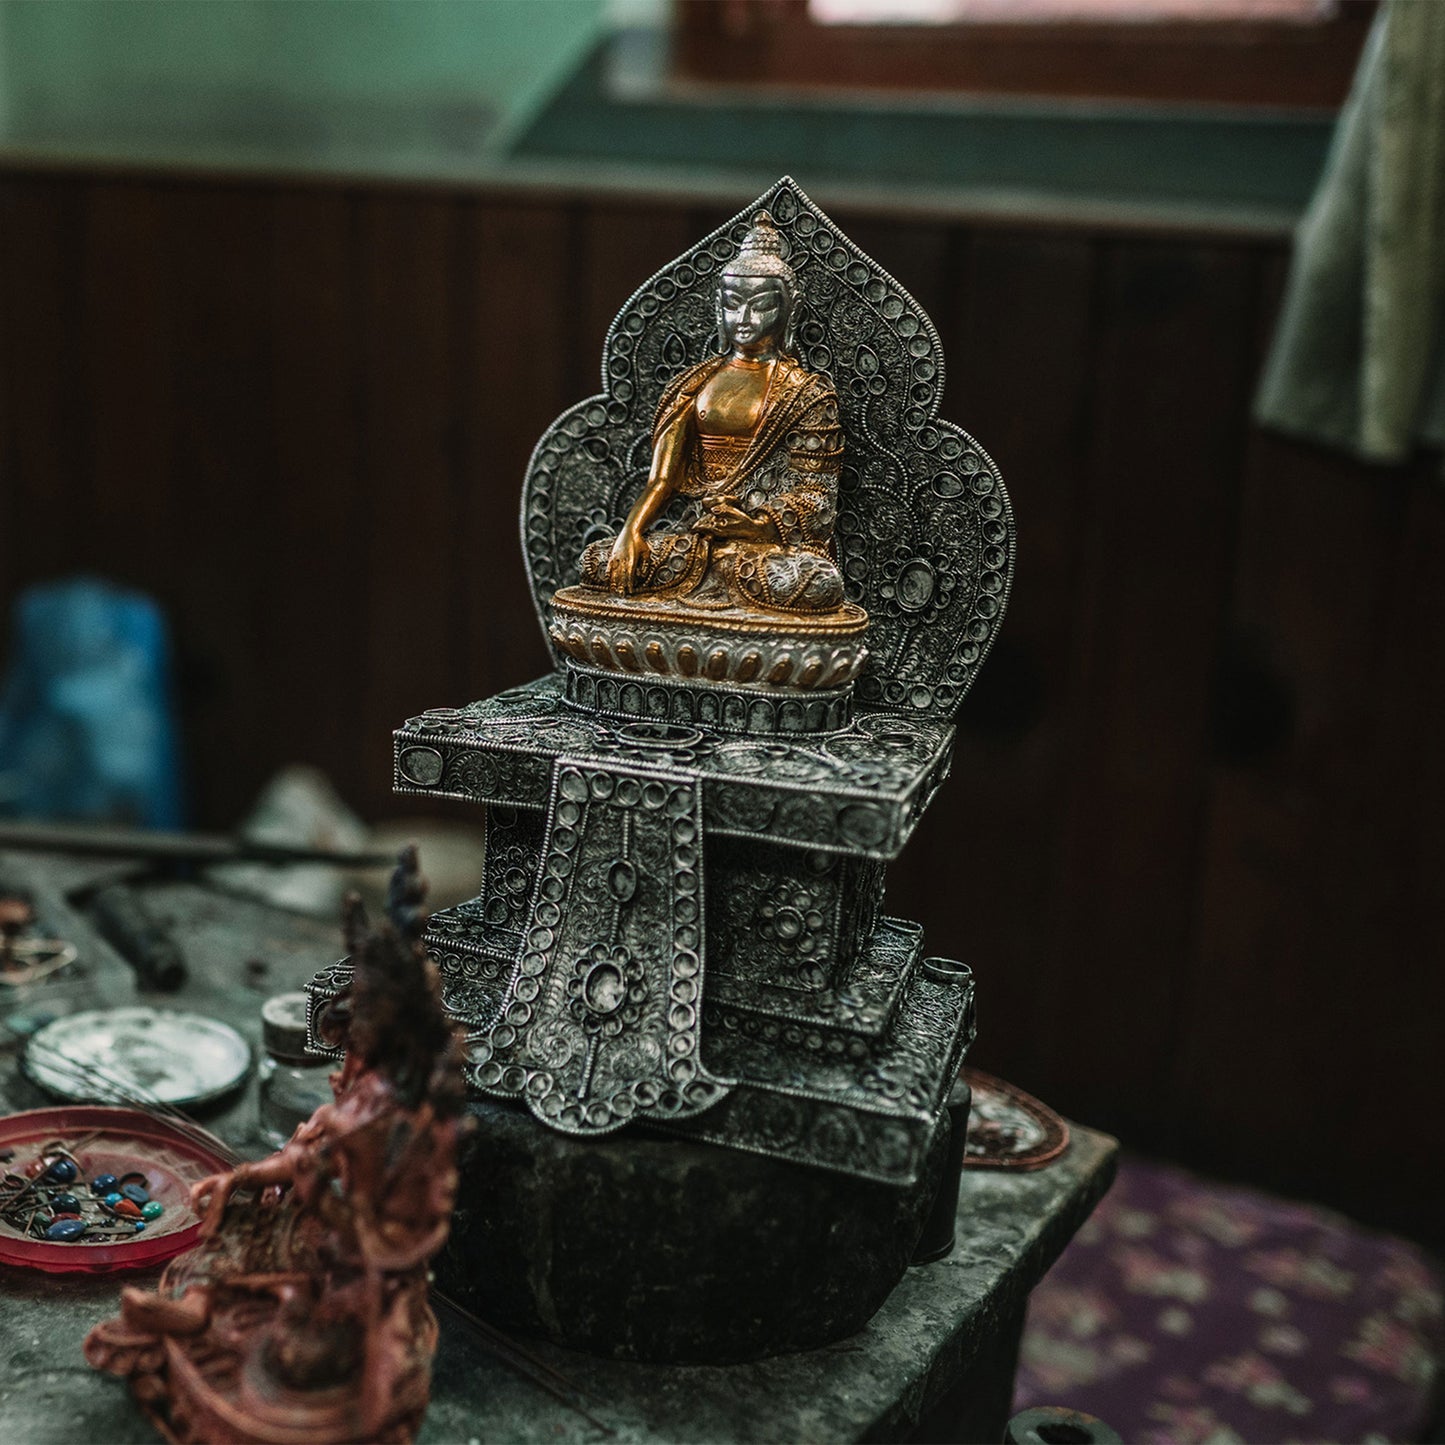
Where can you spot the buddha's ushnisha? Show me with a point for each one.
(750, 438)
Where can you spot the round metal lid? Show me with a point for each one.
(137, 1055)
(283, 1029)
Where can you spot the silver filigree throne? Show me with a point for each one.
(679, 922)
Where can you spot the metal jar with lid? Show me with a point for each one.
(293, 1082)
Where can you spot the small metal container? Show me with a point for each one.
(139, 1056)
(293, 1082)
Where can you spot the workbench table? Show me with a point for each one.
(935, 1363)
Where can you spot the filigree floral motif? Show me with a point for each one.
(509, 882)
(789, 916)
(607, 990)
(918, 579)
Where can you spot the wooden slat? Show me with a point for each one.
(1388, 868)
(314, 630)
(220, 578)
(1311, 938)
(621, 246)
(992, 841)
(1192, 840)
(44, 478)
(408, 589)
(520, 309)
(1155, 536)
(127, 385)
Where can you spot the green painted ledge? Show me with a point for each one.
(1251, 172)
(615, 126)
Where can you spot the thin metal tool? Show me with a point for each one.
(177, 847)
(146, 942)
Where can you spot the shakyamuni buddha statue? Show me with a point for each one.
(749, 442)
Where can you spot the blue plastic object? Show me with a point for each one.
(86, 723)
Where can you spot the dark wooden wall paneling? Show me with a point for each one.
(1193, 835)
(1167, 406)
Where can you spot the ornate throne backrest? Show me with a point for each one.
(925, 534)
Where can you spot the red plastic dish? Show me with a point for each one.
(171, 1159)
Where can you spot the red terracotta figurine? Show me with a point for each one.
(302, 1318)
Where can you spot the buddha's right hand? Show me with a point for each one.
(630, 554)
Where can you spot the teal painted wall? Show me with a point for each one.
(283, 75)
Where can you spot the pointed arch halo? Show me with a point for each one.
(925, 534)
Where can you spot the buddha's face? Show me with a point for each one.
(754, 314)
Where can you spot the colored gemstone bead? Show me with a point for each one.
(127, 1208)
(153, 1209)
(64, 1229)
(62, 1171)
(33, 1168)
(103, 1184)
(66, 1214)
(134, 1193)
(112, 1199)
(65, 1203)
(135, 1177)
(140, 1224)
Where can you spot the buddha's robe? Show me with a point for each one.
(786, 472)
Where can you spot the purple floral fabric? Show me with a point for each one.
(1193, 1313)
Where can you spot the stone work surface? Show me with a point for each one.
(945, 1337)
(928, 1353)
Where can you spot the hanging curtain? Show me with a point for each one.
(1358, 359)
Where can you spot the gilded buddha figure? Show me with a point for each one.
(751, 439)
(748, 442)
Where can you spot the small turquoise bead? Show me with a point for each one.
(64, 1229)
(134, 1193)
(103, 1183)
(113, 1198)
(140, 1224)
(152, 1209)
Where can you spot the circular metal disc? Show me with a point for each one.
(137, 1055)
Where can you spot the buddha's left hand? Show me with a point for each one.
(725, 520)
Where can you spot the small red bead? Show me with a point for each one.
(127, 1207)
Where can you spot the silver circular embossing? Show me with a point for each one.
(605, 989)
(915, 585)
(622, 880)
(863, 825)
(422, 766)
